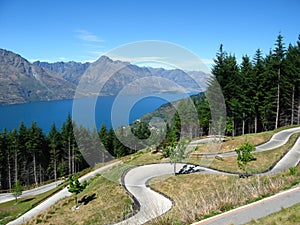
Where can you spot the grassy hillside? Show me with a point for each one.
(206, 195)
(102, 202)
(12, 210)
(105, 201)
(264, 160)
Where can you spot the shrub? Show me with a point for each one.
(293, 170)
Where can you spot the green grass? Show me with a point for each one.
(112, 203)
(287, 216)
(115, 202)
(107, 203)
(12, 210)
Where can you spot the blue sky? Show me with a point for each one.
(83, 30)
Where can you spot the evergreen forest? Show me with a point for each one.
(261, 93)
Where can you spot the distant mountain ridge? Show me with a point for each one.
(122, 76)
(22, 81)
(71, 71)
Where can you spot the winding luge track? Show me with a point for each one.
(56, 197)
(5, 197)
(152, 204)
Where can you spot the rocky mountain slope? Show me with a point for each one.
(71, 71)
(22, 81)
(109, 77)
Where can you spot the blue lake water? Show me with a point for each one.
(108, 110)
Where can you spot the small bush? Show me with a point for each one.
(293, 170)
(245, 156)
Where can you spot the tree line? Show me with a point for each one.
(262, 93)
(32, 157)
(190, 119)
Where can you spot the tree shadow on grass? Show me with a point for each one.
(86, 199)
(26, 199)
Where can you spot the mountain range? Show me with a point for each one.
(22, 81)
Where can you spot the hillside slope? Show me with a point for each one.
(21, 81)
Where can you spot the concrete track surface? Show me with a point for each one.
(153, 204)
(59, 195)
(5, 197)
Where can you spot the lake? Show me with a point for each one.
(109, 110)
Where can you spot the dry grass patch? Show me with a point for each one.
(197, 196)
(144, 157)
(232, 142)
(102, 202)
(11, 210)
(139, 158)
(264, 160)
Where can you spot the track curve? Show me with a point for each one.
(153, 204)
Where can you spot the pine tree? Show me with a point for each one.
(177, 126)
(17, 189)
(5, 180)
(97, 148)
(24, 159)
(256, 87)
(234, 90)
(247, 90)
(218, 67)
(75, 187)
(204, 114)
(186, 121)
(217, 107)
(54, 140)
(110, 142)
(119, 149)
(8, 157)
(298, 78)
(34, 146)
(103, 136)
(279, 55)
(67, 138)
(291, 69)
(268, 99)
(14, 149)
(226, 71)
(140, 130)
